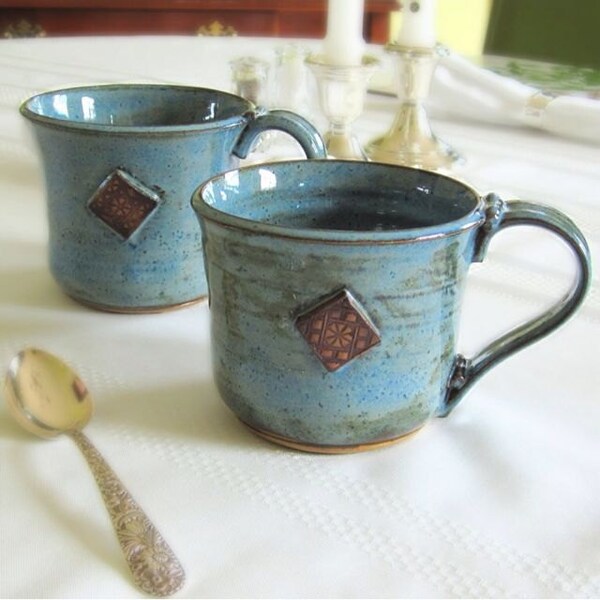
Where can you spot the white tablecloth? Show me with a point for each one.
(502, 499)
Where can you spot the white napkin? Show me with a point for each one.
(461, 88)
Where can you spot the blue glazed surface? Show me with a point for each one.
(280, 238)
(168, 138)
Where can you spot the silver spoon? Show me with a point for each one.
(47, 398)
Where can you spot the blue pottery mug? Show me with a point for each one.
(335, 289)
(121, 162)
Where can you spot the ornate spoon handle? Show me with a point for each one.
(151, 561)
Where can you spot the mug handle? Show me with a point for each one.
(500, 215)
(298, 127)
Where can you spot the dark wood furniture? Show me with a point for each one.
(285, 18)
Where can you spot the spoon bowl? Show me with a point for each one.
(47, 398)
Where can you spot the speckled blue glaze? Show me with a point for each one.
(280, 238)
(169, 138)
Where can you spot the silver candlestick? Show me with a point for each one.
(410, 140)
(341, 97)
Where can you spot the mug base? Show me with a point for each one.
(137, 310)
(326, 448)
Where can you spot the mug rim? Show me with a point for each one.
(206, 211)
(29, 113)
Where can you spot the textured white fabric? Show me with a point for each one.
(498, 500)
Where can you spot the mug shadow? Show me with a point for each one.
(27, 281)
(35, 288)
(20, 165)
(190, 412)
(485, 460)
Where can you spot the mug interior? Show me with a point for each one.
(136, 106)
(337, 196)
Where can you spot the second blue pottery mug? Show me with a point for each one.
(335, 289)
(121, 162)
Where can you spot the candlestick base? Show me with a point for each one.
(343, 145)
(341, 97)
(410, 140)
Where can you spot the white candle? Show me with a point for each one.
(418, 24)
(344, 43)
